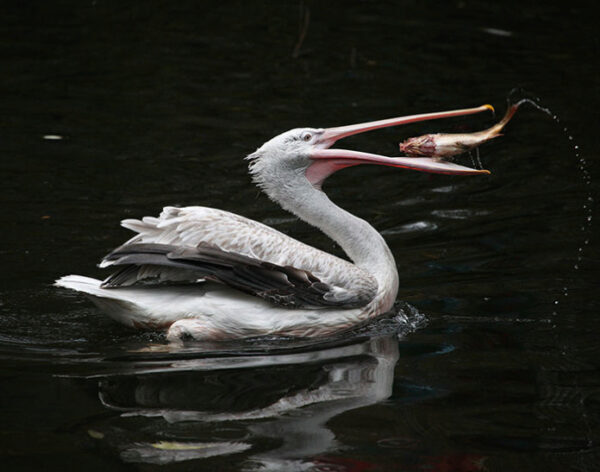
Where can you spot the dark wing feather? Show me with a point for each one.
(287, 286)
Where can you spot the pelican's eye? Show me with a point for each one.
(306, 136)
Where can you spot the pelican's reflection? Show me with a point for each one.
(283, 400)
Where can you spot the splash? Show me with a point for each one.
(587, 205)
(534, 104)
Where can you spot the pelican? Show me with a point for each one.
(209, 274)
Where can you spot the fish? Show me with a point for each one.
(445, 146)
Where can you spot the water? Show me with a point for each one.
(113, 111)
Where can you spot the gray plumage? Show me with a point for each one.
(286, 286)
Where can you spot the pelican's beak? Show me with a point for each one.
(326, 161)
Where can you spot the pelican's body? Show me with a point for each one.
(211, 274)
(216, 311)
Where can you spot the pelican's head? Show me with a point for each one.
(284, 158)
(303, 154)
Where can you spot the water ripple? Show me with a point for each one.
(459, 213)
(416, 227)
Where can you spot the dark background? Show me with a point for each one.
(157, 104)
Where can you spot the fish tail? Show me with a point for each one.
(494, 131)
(509, 114)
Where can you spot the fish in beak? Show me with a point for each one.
(447, 145)
(326, 161)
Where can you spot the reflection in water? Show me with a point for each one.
(166, 452)
(294, 395)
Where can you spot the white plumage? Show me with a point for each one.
(211, 274)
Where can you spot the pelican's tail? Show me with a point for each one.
(80, 283)
(138, 307)
(121, 305)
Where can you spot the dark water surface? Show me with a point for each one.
(492, 363)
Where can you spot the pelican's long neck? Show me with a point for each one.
(359, 240)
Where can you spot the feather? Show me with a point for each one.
(184, 245)
(286, 286)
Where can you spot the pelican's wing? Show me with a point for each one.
(192, 243)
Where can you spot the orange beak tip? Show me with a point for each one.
(489, 107)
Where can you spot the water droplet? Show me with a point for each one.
(576, 267)
(576, 147)
(570, 138)
(556, 302)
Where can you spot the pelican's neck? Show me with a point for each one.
(359, 240)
